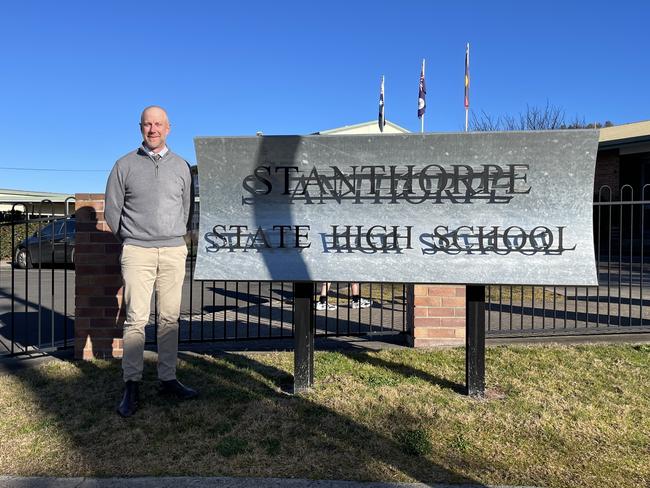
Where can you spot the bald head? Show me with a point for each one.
(154, 126)
(155, 109)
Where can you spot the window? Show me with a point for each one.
(46, 232)
(67, 227)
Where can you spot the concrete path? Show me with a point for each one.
(179, 482)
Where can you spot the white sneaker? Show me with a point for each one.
(325, 306)
(362, 303)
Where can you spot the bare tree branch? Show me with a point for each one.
(547, 117)
(484, 122)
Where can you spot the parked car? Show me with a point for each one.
(53, 244)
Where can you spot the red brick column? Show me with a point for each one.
(98, 307)
(438, 316)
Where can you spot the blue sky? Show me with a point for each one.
(74, 76)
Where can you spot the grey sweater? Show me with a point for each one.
(147, 202)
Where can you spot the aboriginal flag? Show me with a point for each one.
(422, 93)
(467, 76)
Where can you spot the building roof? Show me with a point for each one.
(7, 195)
(365, 128)
(625, 132)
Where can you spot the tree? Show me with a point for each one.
(581, 124)
(547, 117)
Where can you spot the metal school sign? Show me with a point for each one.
(477, 208)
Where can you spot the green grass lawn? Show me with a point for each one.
(516, 294)
(554, 416)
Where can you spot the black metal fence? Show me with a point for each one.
(36, 277)
(219, 311)
(37, 294)
(621, 301)
(37, 304)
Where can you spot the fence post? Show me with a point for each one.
(475, 343)
(303, 354)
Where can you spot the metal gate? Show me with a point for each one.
(37, 285)
(37, 294)
(222, 310)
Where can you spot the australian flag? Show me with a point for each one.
(422, 93)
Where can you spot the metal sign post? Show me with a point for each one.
(303, 355)
(475, 340)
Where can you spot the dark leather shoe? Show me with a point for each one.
(177, 389)
(129, 403)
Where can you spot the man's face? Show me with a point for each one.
(155, 127)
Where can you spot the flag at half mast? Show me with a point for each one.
(382, 120)
(422, 92)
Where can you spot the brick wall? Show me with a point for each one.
(607, 173)
(438, 315)
(98, 308)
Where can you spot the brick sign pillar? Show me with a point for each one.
(438, 316)
(98, 308)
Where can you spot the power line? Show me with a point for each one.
(57, 170)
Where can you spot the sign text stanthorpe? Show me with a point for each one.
(459, 183)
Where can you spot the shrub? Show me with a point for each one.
(19, 233)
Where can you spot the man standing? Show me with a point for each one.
(148, 200)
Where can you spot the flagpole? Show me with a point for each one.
(467, 89)
(422, 120)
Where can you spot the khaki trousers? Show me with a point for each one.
(143, 267)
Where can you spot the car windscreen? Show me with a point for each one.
(65, 227)
(69, 227)
(46, 232)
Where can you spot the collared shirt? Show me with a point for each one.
(162, 153)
